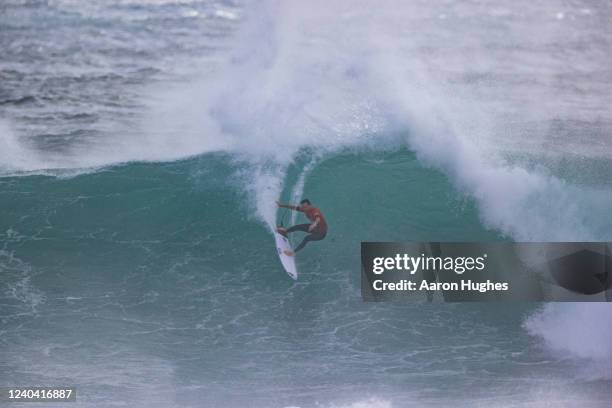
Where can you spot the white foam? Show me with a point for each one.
(14, 151)
(337, 76)
(328, 76)
(579, 331)
(372, 402)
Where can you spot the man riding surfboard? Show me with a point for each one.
(317, 228)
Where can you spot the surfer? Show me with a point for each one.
(317, 228)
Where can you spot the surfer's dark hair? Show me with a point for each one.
(305, 201)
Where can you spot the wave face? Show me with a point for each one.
(142, 146)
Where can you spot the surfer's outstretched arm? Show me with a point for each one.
(289, 206)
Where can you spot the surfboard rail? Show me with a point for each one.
(283, 244)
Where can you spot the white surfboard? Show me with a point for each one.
(282, 244)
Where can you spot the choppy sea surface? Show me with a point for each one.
(142, 146)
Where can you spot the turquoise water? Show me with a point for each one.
(152, 284)
(142, 146)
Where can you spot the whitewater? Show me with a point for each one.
(143, 144)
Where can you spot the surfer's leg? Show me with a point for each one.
(299, 227)
(307, 239)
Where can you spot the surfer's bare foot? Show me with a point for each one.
(288, 252)
(281, 230)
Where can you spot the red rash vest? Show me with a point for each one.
(312, 213)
